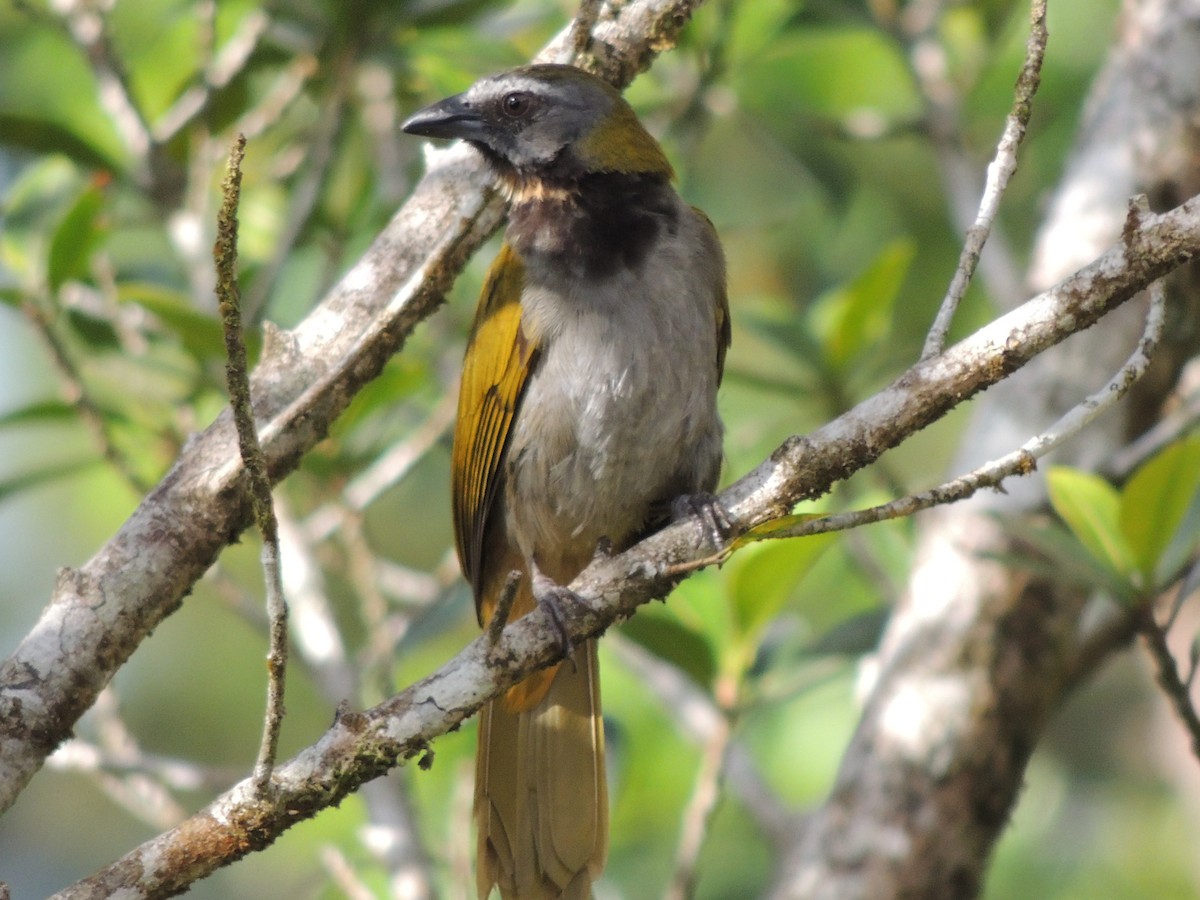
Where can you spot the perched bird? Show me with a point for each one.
(587, 416)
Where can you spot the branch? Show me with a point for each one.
(362, 746)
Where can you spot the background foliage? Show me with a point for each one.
(797, 126)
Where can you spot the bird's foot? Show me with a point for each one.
(603, 551)
(715, 521)
(551, 596)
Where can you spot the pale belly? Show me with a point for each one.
(606, 437)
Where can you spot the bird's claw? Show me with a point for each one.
(551, 596)
(715, 521)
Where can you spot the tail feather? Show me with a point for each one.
(541, 801)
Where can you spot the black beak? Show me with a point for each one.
(449, 118)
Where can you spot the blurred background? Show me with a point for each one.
(826, 139)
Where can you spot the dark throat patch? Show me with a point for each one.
(596, 224)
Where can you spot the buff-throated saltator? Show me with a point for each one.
(587, 410)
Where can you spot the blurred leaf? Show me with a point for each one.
(1058, 555)
(27, 480)
(765, 577)
(41, 411)
(97, 332)
(755, 25)
(1091, 508)
(834, 72)
(854, 317)
(660, 632)
(199, 332)
(77, 236)
(1155, 501)
(40, 185)
(432, 13)
(11, 296)
(701, 606)
(40, 136)
(852, 637)
(49, 96)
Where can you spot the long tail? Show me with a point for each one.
(541, 802)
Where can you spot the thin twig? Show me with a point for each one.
(119, 767)
(319, 640)
(238, 378)
(1167, 674)
(999, 172)
(343, 874)
(1180, 420)
(288, 87)
(696, 717)
(78, 755)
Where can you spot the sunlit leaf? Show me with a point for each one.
(777, 528)
(1155, 500)
(76, 237)
(1091, 508)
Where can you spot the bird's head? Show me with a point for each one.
(547, 123)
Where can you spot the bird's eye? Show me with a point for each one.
(517, 104)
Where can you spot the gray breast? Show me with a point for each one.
(621, 413)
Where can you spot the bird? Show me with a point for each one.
(587, 419)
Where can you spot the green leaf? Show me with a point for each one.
(96, 331)
(39, 411)
(27, 480)
(855, 317)
(664, 635)
(41, 187)
(42, 136)
(764, 577)
(774, 529)
(1155, 501)
(76, 237)
(199, 332)
(1091, 508)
